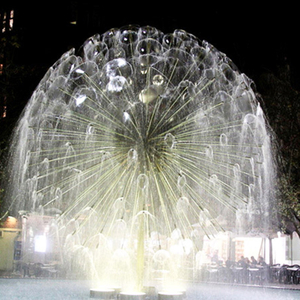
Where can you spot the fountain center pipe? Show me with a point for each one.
(141, 254)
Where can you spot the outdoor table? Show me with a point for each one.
(255, 274)
(274, 274)
(293, 269)
(238, 274)
(213, 272)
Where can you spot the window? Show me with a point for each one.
(4, 112)
(40, 243)
(11, 19)
(3, 108)
(7, 20)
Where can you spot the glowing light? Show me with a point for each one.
(40, 243)
(80, 99)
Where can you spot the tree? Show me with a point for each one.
(17, 81)
(282, 103)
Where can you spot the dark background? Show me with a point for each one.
(253, 36)
(256, 37)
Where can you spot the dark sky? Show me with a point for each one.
(253, 36)
(256, 37)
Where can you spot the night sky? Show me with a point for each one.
(254, 37)
(257, 38)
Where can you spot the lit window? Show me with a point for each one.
(3, 109)
(4, 112)
(4, 22)
(40, 243)
(8, 21)
(1, 69)
(11, 20)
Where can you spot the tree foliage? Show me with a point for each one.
(282, 102)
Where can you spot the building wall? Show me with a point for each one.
(292, 254)
(7, 244)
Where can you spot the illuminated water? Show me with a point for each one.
(136, 148)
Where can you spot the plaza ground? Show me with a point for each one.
(44, 289)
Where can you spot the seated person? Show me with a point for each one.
(261, 261)
(253, 261)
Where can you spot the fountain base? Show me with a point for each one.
(132, 296)
(170, 296)
(103, 294)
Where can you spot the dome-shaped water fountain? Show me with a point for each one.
(141, 144)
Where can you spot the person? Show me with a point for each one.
(242, 275)
(215, 257)
(261, 261)
(229, 263)
(242, 262)
(253, 261)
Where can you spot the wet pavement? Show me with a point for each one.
(44, 289)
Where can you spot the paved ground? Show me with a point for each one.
(46, 289)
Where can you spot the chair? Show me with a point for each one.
(297, 276)
(283, 274)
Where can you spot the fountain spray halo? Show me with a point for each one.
(143, 143)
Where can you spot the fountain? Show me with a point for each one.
(136, 148)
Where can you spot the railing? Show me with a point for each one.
(39, 270)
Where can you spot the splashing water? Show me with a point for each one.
(142, 143)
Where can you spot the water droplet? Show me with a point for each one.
(143, 181)
(105, 156)
(128, 36)
(90, 129)
(88, 68)
(209, 153)
(148, 46)
(148, 95)
(132, 157)
(223, 139)
(58, 194)
(176, 234)
(119, 204)
(204, 219)
(170, 140)
(158, 80)
(116, 84)
(181, 181)
(44, 166)
(126, 116)
(68, 65)
(183, 205)
(143, 69)
(213, 180)
(250, 119)
(236, 171)
(161, 256)
(118, 67)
